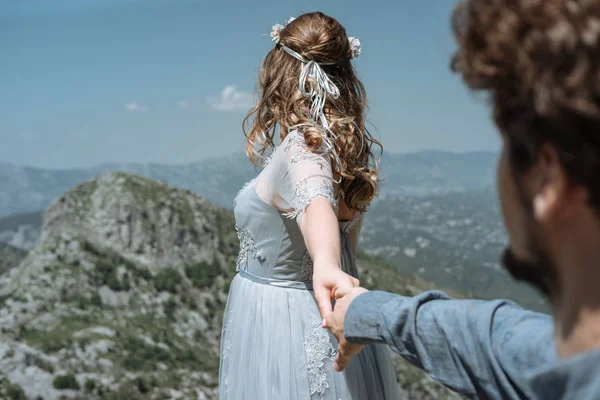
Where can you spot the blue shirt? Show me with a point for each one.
(482, 349)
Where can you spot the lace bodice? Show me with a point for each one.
(269, 208)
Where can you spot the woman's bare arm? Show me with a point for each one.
(320, 228)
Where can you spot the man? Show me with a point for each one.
(539, 61)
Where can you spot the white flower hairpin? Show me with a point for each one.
(275, 32)
(355, 47)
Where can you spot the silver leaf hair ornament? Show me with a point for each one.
(316, 85)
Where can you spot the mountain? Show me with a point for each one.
(437, 216)
(122, 297)
(27, 189)
(10, 257)
(453, 239)
(21, 230)
(437, 172)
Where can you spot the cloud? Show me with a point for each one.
(135, 107)
(28, 135)
(232, 100)
(183, 103)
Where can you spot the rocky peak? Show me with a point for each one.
(122, 295)
(149, 222)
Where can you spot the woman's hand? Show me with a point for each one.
(326, 280)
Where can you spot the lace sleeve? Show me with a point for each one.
(307, 176)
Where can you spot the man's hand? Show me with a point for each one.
(335, 323)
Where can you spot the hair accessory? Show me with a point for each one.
(316, 85)
(317, 88)
(275, 32)
(355, 46)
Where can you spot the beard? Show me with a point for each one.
(539, 272)
(536, 268)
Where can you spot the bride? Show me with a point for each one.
(298, 223)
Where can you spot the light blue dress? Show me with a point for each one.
(272, 344)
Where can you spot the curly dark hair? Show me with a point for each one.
(539, 60)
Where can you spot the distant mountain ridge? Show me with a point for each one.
(27, 189)
(30, 189)
(21, 230)
(437, 216)
(10, 257)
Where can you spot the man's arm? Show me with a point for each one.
(481, 349)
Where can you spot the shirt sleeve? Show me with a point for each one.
(482, 349)
(306, 176)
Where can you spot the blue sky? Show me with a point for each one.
(90, 81)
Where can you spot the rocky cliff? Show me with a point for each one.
(121, 297)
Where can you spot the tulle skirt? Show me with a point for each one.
(273, 347)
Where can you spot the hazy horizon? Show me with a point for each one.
(228, 155)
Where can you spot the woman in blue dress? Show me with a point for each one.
(298, 223)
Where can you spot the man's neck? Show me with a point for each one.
(577, 331)
(577, 311)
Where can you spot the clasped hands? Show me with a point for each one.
(333, 284)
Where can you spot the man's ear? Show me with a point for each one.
(555, 197)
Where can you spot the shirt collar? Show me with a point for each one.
(576, 377)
